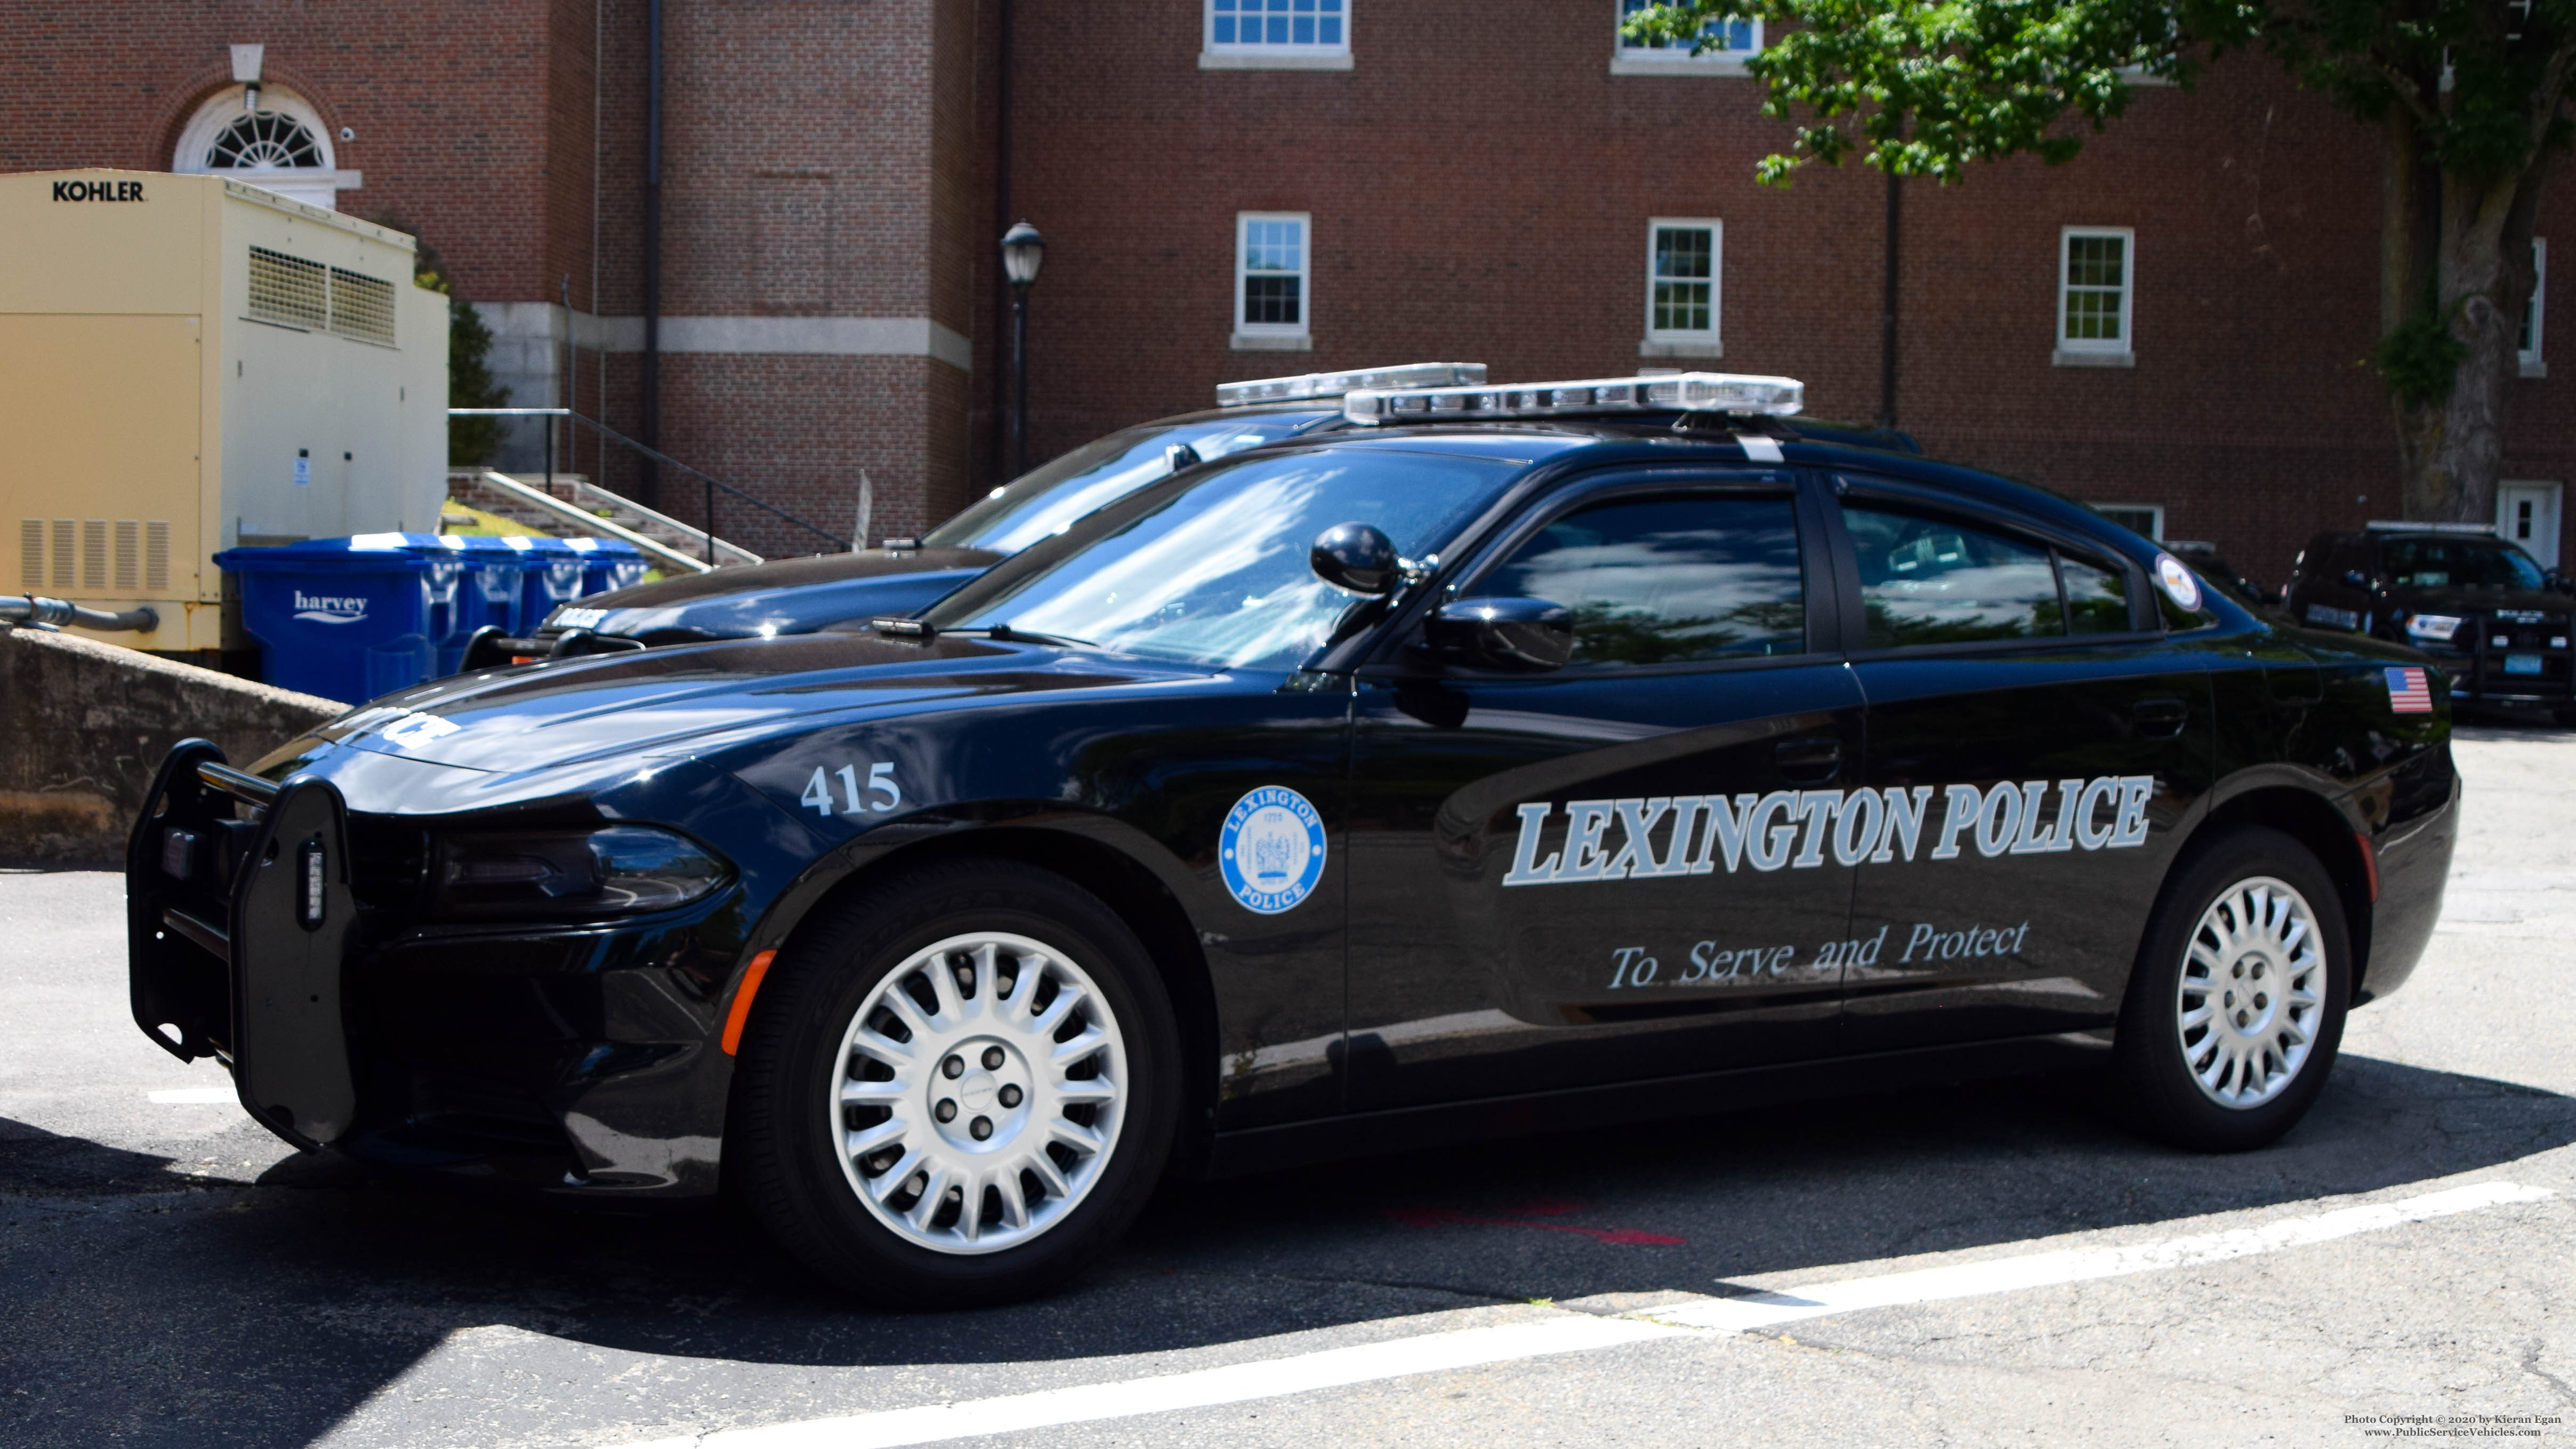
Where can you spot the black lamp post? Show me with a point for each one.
(1022, 252)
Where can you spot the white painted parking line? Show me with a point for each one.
(1200, 1389)
(197, 1097)
(2049, 1270)
(1574, 1333)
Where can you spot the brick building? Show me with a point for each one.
(1232, 188)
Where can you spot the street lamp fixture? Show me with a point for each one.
(1023, 251)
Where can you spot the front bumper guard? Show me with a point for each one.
(237, 927)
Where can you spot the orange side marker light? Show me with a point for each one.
(734, 1019)
(2369, 864)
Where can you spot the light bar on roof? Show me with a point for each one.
(1334, 384)
(1690, 392)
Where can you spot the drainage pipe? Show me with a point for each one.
(650, 384)
(43, 613)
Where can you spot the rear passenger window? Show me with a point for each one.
(1927, 580)
(2097, 599)
(1933, 581)
(1668, 579)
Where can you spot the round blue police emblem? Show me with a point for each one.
(1271, 849)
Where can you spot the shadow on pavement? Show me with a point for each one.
(205, 1315)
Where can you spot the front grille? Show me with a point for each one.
(2520, 652)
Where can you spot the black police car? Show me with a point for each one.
(798, 596)
(1516, 759)
(2487, 612)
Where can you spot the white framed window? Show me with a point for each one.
(282, 146)
(2527, 346)
(2096, 266)
(2144, 519)
(1730, 41)
(1685, 271)
(1273, 263)
(1275, 35)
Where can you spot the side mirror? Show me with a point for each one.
(1357, 557)
(1527, 636)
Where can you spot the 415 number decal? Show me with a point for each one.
(875, 791)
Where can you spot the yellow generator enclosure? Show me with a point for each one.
(190, 364)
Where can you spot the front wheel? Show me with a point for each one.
(2236, 1005)
(958, 1087)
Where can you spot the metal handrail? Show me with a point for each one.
(713, 486)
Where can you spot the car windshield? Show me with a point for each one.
(1214, 569)
(1047, 499)
(2459, 563)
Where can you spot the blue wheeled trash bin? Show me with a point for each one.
(346, 618)
(489, 586)
(607, 563)
(555, 577)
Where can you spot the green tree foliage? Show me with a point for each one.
(2467, 97)
(471, 442)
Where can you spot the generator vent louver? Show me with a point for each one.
(311, 297)
(362, 307)
(289, 290)
(81, 555)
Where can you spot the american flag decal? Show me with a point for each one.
(2408, 693)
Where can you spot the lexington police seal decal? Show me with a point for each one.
(1271, 849)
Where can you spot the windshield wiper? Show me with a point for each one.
(924, 629)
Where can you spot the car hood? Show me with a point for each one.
(701, 699)
(789, 596)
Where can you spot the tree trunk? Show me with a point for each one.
(2462, 249)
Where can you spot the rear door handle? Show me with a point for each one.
(1808, 762)
(2162, 718)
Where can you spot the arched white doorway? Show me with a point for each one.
(282, 146)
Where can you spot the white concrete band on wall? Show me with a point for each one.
(528, 339)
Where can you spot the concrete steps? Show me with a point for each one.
(577, 508)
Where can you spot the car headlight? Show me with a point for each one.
(2434, 628)
(617, 870)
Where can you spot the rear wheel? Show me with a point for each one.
(958, 1087)
(2236, 1005)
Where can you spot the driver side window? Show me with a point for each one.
(1668, 578)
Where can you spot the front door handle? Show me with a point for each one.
(1808, 762)
(2161, 718)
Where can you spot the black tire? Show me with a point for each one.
(2563, 716)
(2154, 1053)
(785, 1158)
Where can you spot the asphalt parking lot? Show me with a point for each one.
(2402, 1265)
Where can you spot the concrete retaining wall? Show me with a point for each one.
(83, 725)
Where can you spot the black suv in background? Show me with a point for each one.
(2492, 617)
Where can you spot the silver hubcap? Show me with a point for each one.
(2253, 990)
(981, 1090)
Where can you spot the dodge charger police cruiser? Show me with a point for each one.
(798, 596)
(1515, 758)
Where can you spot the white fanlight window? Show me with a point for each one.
(282, 146)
